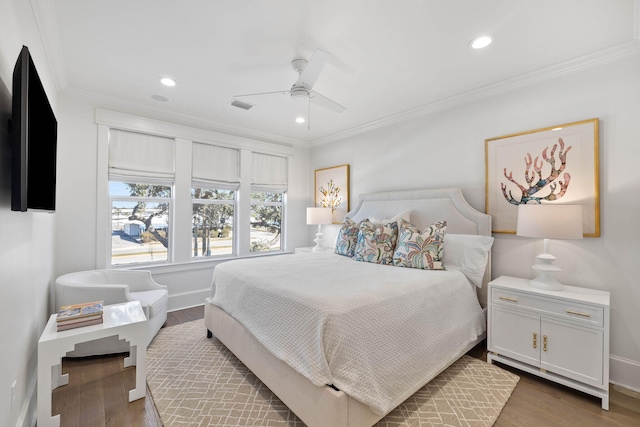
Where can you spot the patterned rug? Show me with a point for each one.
(196, 381)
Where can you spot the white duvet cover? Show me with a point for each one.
(376, 332)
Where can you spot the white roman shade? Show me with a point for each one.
(137, 157)
(268, 173)
(215, 167)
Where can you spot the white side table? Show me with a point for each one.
(126, 320)
(562, 336)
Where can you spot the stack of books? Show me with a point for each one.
(78, 315)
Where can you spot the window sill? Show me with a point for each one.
(195, 265)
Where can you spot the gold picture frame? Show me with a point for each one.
(556, 164)
(331, 189)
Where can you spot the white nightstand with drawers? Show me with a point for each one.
(562, 336)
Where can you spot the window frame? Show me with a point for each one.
(282, 205)
(136, 199)
(181, 201)
(234, 243)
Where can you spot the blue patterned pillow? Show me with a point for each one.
(417, 249)
(376, 242)
(347, 238)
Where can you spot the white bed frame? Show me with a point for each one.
(325, 406)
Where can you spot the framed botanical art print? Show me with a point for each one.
(332, 191)
(553, 165)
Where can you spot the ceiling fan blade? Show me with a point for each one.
(312, 71)
(325, 102)
(282, 92)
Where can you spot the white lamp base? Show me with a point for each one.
(319, 241)
(545, 269)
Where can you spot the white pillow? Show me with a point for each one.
(406, 215)
(468, 253)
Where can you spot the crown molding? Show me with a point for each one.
(44, 14)
(112, 103)
(47, 23)
(616, 53)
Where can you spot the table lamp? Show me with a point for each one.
(319, 216)
(549, 221)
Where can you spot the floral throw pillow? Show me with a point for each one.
(376, 242)
(347, 238)
(420, 249)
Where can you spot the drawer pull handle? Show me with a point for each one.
(578, 313)
(544, 342)
(535, 340)
(509, 299)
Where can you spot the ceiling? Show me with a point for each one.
(389, 59)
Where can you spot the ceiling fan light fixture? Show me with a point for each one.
(481, 42)
(299, 94)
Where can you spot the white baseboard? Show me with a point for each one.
(624, 372)
(183, 300)
(29, 410)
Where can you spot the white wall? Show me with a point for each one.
(447, 149)
(26, 243)
(78, 193)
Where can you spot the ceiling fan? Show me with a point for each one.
(301, 91)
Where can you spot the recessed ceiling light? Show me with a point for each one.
(300, 120)
(481, 42)
(168, 81)
(160, 98)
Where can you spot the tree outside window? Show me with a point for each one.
(213, 225)
(139, 222)
(266, 221)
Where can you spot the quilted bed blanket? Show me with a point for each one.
(376, 332)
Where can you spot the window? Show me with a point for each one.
(266, 220)
(215, 177)
(141, 175)
(139, 222)
(268, 187)
(213, 214)
(176, 200)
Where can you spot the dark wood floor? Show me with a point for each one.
(98, 387)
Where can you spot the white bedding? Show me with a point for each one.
(376, 332)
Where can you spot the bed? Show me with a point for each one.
(351, 340)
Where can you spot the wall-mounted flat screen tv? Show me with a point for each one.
(34, 135)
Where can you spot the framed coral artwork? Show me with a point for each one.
(557, 164)
(332, 191)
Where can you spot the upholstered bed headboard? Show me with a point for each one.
(426, 207)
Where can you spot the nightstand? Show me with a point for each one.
(562, 336)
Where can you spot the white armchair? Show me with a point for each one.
(113, 287)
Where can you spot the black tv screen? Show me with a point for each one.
(34, 132)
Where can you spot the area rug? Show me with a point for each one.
(196, 381)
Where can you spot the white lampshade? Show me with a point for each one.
(550, 221)
(317, 216)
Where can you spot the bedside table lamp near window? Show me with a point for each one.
(319, 216)
(549, 221)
